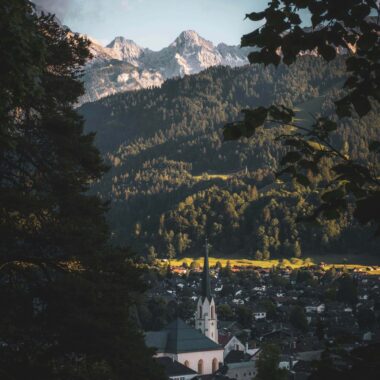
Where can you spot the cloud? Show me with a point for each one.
(125, 4)
(61, 8)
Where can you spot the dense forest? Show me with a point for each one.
(173, 180)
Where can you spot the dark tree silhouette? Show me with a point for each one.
(65, 297)
(351, 28)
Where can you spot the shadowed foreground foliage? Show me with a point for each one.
(65, 298)
(353, 29)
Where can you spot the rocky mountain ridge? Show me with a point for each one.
(125, 66)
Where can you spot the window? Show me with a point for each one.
(186, 364)
(200, 311)
(200, 367)
(212, 312)
(215, 365)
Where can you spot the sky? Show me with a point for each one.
(156, 23)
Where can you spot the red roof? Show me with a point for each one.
(224, 339)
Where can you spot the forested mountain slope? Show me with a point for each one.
(173, 180)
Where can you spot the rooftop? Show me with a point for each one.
(174, 368)
(178, 337)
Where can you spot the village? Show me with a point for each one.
(303, 312)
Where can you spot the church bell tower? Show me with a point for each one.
(205, 315)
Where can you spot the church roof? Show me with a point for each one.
(174, 368)
(178, 337)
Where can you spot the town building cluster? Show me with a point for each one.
(235, 313)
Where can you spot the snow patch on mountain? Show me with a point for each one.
(125, 66)
(126, 50)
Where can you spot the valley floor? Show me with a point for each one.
(370, 264)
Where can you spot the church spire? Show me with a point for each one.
(206, 287)
(206, 319)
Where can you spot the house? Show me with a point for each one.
(236, 356)
(302, 370)
(315, 308)
(259, 313)
(230, 343)
(240, 365)
(286, 362)
(229, 328)
(242, 371)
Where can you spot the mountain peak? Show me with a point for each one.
(120, 40)
(126, 50)
(191, 38)
(189, 35)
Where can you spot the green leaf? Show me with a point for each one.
(317, 146)
(333, 195)
(316, 19)
(250, 39)
(254, 57)
(367, 41)
(294, 142)
(327, 124)
(368, 209)
(351, 82)
(288, 170)
(374, 146)
(255, 16)
(327, 52)
(361, 104)
(303, 180)
(255, 118)
(294, 18)
(331, 214)
(264, 56)
(360, 11)
(307, 164)
(232, 131)
(301, 3)
(291, 157)
(356, 64)
(343, 108)
(281, 114)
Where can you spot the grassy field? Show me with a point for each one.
(206, 176)
(293, 263)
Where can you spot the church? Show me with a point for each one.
(196, 349)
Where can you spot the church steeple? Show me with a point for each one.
(205, 315)
(206, 286)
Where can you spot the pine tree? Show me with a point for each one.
(65, 296)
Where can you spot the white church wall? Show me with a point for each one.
(193, 359)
